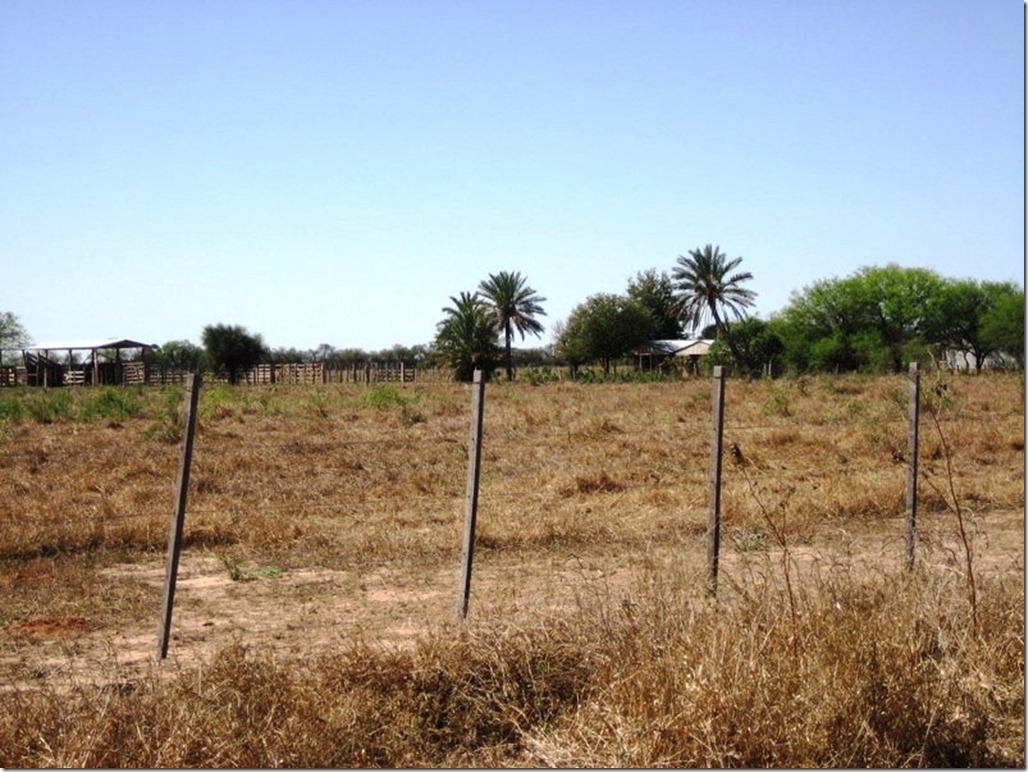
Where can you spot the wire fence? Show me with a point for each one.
(510, 450)
(64, 493)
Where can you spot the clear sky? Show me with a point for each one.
(332, 171)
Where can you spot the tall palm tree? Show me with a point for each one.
(514, 305)
(706, 286)
(466, 337)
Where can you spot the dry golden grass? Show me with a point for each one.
(315, 626)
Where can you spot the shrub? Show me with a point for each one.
(12, 409)
(48, 406)
(112, 402)
(385, 395)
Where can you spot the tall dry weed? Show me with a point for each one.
(882, 673)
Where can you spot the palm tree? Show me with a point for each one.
(706, 286)
(514, 305)
(466, 337)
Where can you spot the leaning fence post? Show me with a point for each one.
(913, 414)
(467, 551)
(716, 442)
(178, 516)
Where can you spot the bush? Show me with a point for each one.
(385, 395)
(46, 406)
(12, 409)
(112, 402)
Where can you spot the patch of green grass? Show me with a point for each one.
(46, 406)
(168, 426)
(386, 395)
(237, 574)
(778, 402)
(112, 402)
(12, 408)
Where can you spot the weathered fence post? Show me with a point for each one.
(716, 443)
(913, 414)
(178, 516)
(467, 551)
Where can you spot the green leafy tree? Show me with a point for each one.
(873, 320)
(656, 292)
(233, 349)
(1003, 327)
(286, 355)
(604, 328)
(409, 355)
(514, 305)
(179, 354)
(325, 352)
(816, 327)
(895, 303)
(956, 315)
(12, 332)
(466, 337)
(756, 341)
(349, 357)
(709, 286)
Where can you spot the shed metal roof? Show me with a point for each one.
(65, 345)
(681, 348)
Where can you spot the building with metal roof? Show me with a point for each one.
(75, 362)
(658, 354)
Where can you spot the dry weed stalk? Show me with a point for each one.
(935, 408)
(779, 534)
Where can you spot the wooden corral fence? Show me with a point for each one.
(158, 374)
(320, 372)
(125, 374)
(138, 373)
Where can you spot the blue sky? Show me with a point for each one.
(332, 171)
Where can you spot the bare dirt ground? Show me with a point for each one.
(305, 612)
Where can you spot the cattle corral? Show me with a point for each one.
(100, 362)
(319, 515)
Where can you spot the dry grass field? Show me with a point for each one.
(316, 613)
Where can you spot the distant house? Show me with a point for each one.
(75, 363)
(962, 361)
(662, 354)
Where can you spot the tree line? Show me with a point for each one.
(877, 319)
(233, 350)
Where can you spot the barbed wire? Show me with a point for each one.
(51, 447)
(356, 502)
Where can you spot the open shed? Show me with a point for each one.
(658, 354)
(76, 363)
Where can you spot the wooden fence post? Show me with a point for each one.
(467, 552)
(716, 445)
(178, 516)
(913, 414)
